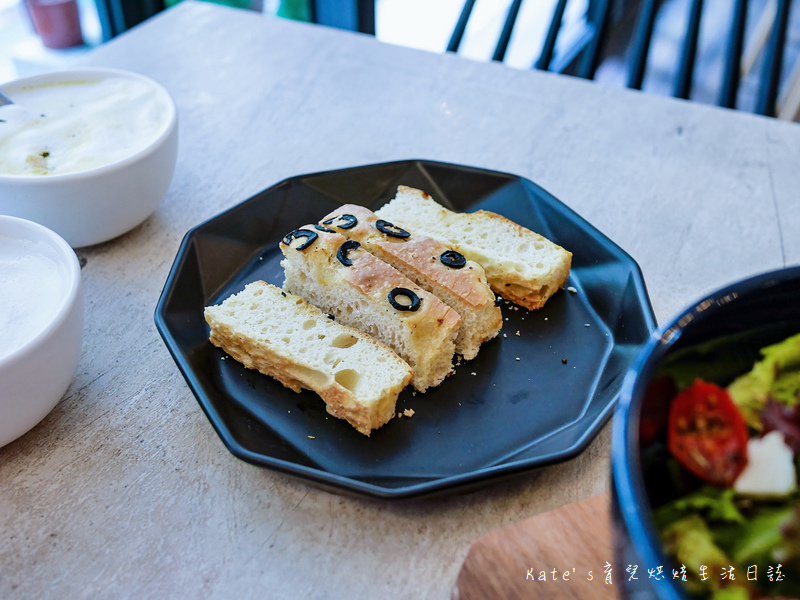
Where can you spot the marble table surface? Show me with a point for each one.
(125, 491)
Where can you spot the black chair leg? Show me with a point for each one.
(366, 16)
(733, 56)
(601, 19)
(552, 33)
(773, 62)
(461, 26)
(683, 83)
(641, 43)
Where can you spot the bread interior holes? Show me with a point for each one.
(344, 340)
(314, 377)
(333, 359)
(309, 324)
(347, 378)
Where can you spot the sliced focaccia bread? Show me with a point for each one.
(458, 282)
(362, 291)
(521, 266)
(283, 336)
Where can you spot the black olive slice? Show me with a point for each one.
(391, 229)
(344, 250)
(325, 229)
(398, 291)
(453, 259)
(298, 233)
(349, 221)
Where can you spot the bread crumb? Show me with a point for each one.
(399, 415)
(563, 361)
(505, 335)
(473, 373)
(518, 358)
(572, 290)
(409, 412)
(517, 334)
(545, 318)
(311, 437)
(587, 325)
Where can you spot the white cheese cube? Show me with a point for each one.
(770, 468)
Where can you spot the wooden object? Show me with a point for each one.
(758, 38)
(789, 103)
(558, 554)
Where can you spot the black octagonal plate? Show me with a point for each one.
(535, 395)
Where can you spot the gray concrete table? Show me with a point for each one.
(126, 491)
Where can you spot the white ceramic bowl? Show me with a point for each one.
(36, 371)
(95, 205)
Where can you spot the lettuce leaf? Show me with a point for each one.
(731, 593)
(777, 375)
(690, 542)
(715, 504)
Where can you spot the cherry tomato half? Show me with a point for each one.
(655, 408)
(707, 433)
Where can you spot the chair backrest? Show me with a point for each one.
(769, 35)
(607, 18)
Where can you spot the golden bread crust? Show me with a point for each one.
(271, 358)
(528, 277)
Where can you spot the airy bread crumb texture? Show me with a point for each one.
(418, 257)
(521, 265)
(358, 296)
(283, 336)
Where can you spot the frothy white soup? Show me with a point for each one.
(33, 284)
(72, 126)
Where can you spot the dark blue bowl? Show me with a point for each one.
(758, 311)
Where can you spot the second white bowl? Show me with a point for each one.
(42, 323)
(94, 205)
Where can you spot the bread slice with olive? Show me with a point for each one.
(521, 265)
(362, 291)
(283, 336)
(458, 282)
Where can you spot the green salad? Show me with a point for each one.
(721, 454)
